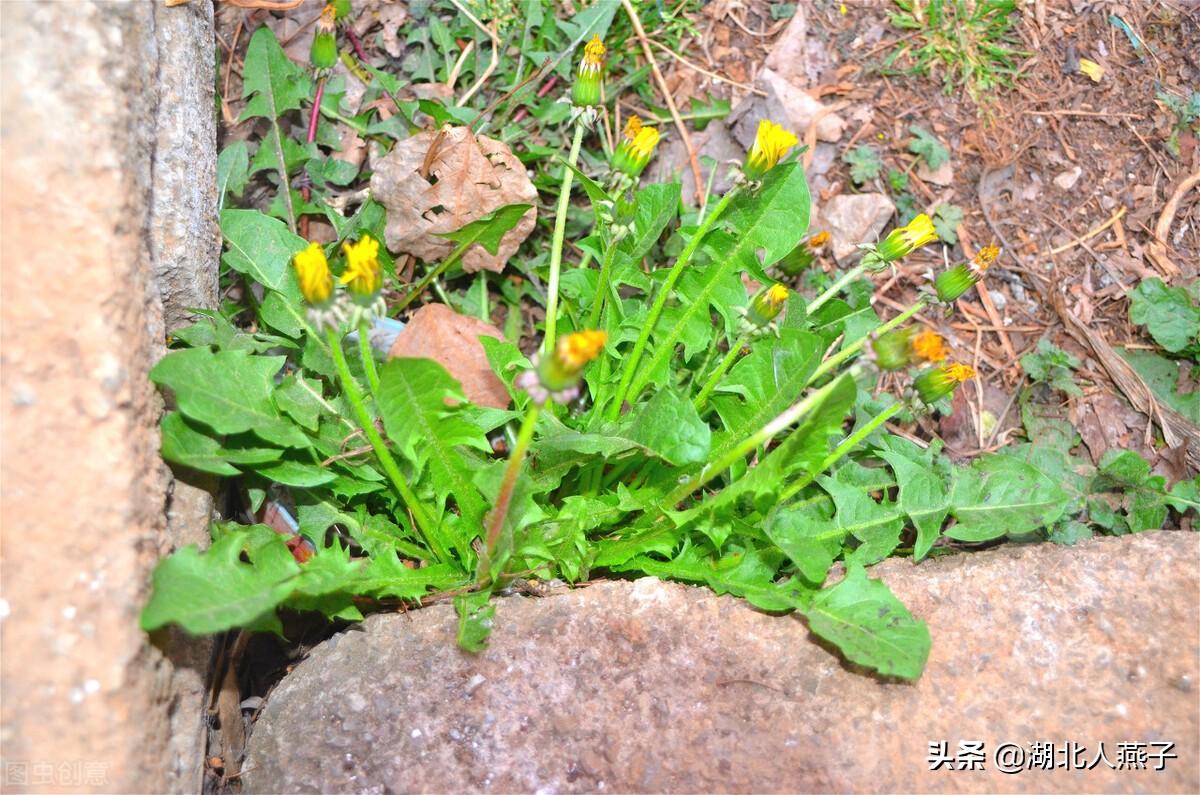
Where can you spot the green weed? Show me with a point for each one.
(971, 44)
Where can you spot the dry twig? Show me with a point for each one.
(632, 13)
(1158, 247)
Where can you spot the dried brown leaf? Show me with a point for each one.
(437, 332)
(469, 176)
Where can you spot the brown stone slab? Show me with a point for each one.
(656, 687)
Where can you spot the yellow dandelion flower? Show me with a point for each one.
(929, 346)
(593, 55)
(632, 127)
(766, 306)
(771, 142)
(312, 270)
(363, 275)
(960, 372)
(632, 155)
(933, 385)
(983, 259)
(818, 240)
(575, 350)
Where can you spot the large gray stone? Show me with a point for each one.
(648, 686)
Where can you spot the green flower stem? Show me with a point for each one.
(836, 287)
(660, 301)
(789, 415)
(368, 356)
(855, 347)
(441, 268)
(715, 379)
(842, 450)
(602, 286)
(560, 229)
(504, 497)
(425, 525)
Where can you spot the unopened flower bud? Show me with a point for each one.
(933, 385)
(906, 239)
(951, 284)
(766, 305)
(586, 90)
(636, 148)
(323, 54)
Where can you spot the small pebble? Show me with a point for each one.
(1067, 179)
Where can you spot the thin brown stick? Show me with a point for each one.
(266, 5)
(703, 71)
(684, 136)
(1158, 247)
(1090, 234)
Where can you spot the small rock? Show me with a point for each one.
(649, 686)
(785, 104)
(435, 331)
(671, 162)
(1067, 179)
(942, 175)
(852, 219)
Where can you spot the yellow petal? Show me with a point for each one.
(1091, 69)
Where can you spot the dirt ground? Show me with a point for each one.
(1106, 137)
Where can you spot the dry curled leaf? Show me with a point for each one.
(435, 331)
(438, 182)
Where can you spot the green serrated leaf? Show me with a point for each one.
(233, 171)
(273, 83)
(185, 445)
(876, 524)
(764, 383)
(214, 591)
(923, 499)
(864, 619)
(489, 230)
(301, 399)
(412, 401)
(262, 248)
(296, 473)
(1002, 495)
(926, 145)
(669, 426)
(808, 536)
(229, 391)
(475, 617)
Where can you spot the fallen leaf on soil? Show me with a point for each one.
(438, 182)
(435, 331)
